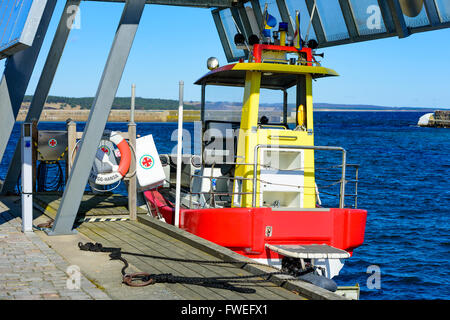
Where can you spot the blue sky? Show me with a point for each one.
(173, 43)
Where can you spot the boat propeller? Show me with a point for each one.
(305, 271)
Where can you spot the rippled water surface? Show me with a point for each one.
(404, 185)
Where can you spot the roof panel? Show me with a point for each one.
(443, 7)
(338, 22)
(231, 29)
(19, 20)
(305, 18)
(367, 17)
(417, 21)
(272, 8)
(332, 20)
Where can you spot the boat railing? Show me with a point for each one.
(299, 62)
(334, 182)
(212, 193)
(342, 181)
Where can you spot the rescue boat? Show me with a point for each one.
(253, 187)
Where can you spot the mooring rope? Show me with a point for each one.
(141, 279)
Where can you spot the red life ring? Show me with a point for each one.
(119, 171)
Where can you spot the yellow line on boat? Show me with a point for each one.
(285, 68)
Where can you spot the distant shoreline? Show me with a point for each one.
(374, 110)
(157, 115)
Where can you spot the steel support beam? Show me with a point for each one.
(316, 23)
(245, 30)
(387, 17)
(284, 13)
(352, 29)
(397, 17)
(222, 35)
(186, 3)
(238, 22)
(16, 76)
(432, 12)
(245, 21)
(258, 13)
(43, 86)
(98, 117)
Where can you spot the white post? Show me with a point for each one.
(179, 147)
(132, 196)
(27, 178)
(133, 99)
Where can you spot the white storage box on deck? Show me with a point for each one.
(149, 171)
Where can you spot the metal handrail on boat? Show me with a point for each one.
(354, 181)
(343, 181)
(298, 62)
(327, 148)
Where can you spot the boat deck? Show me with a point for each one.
(162, 248)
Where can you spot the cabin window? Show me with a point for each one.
(271, 106)
(223, 103)
(222, 117)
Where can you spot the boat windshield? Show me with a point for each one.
(223, 104)
(228, 107)
(271, 107)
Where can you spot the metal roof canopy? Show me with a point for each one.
(334, 22)
(185, 3)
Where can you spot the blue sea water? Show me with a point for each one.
(403, 184)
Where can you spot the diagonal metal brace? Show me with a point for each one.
(98, 117)
(42, 88)
(16, 76)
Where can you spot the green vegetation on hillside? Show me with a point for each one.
(121, 103)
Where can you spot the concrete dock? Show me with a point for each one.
(37, 266)
(29, 268)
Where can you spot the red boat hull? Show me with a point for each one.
(243, 230)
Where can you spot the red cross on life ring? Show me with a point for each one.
(119, 171)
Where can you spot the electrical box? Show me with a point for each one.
(51, 145)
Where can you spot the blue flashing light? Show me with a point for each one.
(282, 26)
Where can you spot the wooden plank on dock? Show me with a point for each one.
(109, 240)
(107, 205)
(168, 244)
(138, 238)
(149, 238)
(305, 289)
